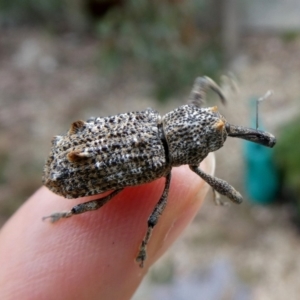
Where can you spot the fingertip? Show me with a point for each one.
(86, 256)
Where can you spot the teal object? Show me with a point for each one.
(261, 175)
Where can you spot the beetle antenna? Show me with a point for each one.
(198, 94)
(266, 95)
(229, 83)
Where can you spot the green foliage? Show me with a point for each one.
(163, 39)
(41, 11)
(290, 36)
(287, 154)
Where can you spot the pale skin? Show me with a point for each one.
(92, 256)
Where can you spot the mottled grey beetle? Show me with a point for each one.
(111, 153)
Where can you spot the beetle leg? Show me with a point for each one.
(152, 221)
(198, 93)
(83, 207)
(219, 185)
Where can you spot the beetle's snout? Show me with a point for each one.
(253, 135)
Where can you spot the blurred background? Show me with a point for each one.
(63, 60)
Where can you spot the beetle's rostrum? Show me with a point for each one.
(112, 153)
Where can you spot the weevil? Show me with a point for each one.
(129, 149)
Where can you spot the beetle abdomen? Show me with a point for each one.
(106, 154)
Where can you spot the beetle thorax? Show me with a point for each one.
(192, 133)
